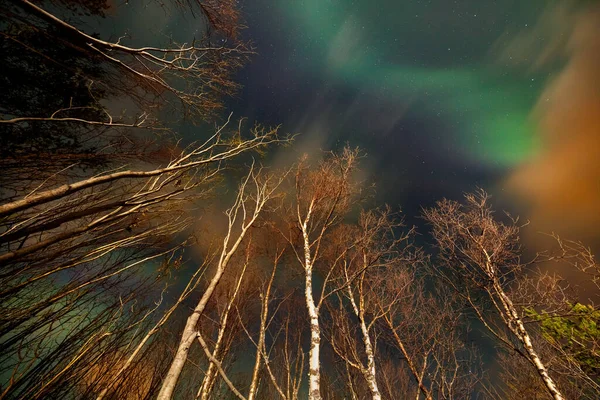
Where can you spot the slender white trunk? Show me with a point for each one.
(187, 338)
(314, 374)
(418, 377)
(520, 331)
(211, 373)
(254, 383)
(525, 339)
(219, 367)
(261, 338)
(369, 373)
(350, 384)
(189, 332)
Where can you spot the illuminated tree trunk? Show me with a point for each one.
(260, 347)
(314, 374)
(188, 337)
(322, 196)
(240, 214)
(211, 372)
(369, 372)
(523, 336)
(487, 251)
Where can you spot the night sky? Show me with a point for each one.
(443, 96)
(413, 83)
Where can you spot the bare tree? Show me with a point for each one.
(111, 377)
(76, 105)
(285, 360)
(374, 253)
(58, 350)
(262, 355)
(225, 332)
(562, 328)
(382, 302)
(75, 231)
(195, 75)
(321, 199)
(97, 202)
(253, 195)
(479, 256)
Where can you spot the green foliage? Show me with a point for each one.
(577, 332)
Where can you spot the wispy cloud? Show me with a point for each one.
(562, 184)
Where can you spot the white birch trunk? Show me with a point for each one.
(264, 192)
(525, 339)
(314, 374)
(187, 338)
(520, 331)
(418, 377)
(369, 373)
(261, 338)
(209, 378)
(254, 383)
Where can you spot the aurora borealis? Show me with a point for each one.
(430, 52)
(442, 95)
(433, 55)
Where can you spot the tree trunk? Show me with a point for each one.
(314, 375)
(370, 372)
(418, 377)
(211, 373)
(525, 339)
(262, 333)
(257, 362)
(187, 338)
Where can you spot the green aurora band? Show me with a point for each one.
(439, 58)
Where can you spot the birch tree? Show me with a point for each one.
(284, 361)
(78, 226)
(561, 322)
(254, 193)
(101, 232)
(75, 105)
(191, 79)
(227, 299)
(484, 254)
(321, 198)
(373, 246)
